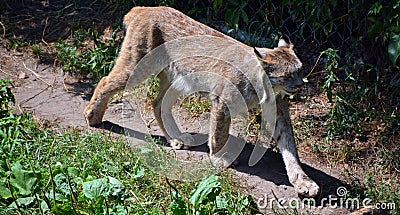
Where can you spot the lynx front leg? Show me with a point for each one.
(111, 84)
(287, 146)
(220, 121)
(106, 88)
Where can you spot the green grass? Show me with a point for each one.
(87, 55)
(44, 171)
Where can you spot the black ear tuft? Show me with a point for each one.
(286, 38)
(257, 53)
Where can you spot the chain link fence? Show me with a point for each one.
(325, 25)
(321, 24)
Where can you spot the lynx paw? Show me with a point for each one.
(305, 186)
(91, 119)
(223, 162)
(182, 142)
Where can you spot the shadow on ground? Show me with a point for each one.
(49, 21)
(270, 167)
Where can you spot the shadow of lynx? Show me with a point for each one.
(270, 167)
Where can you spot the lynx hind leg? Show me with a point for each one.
(220, 121)
(287, 146)
(178, 140)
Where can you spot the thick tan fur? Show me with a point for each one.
(147, 28)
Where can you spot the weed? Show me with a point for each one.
(151, 85)
(331, 67)
(383, 192)
(208, 198)
(83, 58)
(16, 44)
(197, 104)
(6, 97)
(37, 49)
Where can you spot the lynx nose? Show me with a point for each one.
(298, 81)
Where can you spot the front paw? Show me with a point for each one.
(91, 118)
(305, 186)
(182, 142)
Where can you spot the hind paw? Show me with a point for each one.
(305, 186)
(182, 142)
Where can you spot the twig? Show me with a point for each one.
(45, 68)
(4, 29)
(37, 75)
(170, 185)
(34, 95)
(44, 30)
(315, 65)
(148, 123)
(20, 109)
(49, 85)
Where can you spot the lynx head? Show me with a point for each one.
(282, 66)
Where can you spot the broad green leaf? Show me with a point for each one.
(3, 165)
(222, 203)
(206, 191)
(96, 189)
(61, 184)
(24, 202)
(178, 206)
(246, 202)
(58, 196)
(45, 208)
(4, 192)
(217, 4)
(394, 48)
(23, 180)
(138, 171)
(229, 14)
(235, 21)
(118, 210)
(73, 171)
(116, 187)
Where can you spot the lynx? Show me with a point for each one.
(150, 27)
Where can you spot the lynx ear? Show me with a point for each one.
(284, 41)
(258, 54)
(264, 55)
